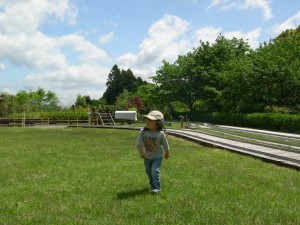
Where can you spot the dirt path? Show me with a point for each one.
(50, 126)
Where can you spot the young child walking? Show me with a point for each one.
(152, 144)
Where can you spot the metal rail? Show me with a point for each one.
(279, 135)
(276, 158)
(246, 139)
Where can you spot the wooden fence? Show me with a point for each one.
(45, 121)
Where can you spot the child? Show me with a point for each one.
(150, 144)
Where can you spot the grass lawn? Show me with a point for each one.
(95, 176)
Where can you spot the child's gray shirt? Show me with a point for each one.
(153, 143)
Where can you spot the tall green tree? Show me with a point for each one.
(267, 78)
(122, 102)
(21, 102)
(117, 81)
(6, 104)
(212, 61)
(81, 101)
(150, 95)
(51, 102)
(177, 81)
(199, 75)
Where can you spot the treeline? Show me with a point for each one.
(33, 101)
(228, 76)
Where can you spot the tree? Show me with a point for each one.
(81, 101)
(122, 102)
(176, 81)
(136, 102)
(37, 99)
(266, 78)
(88, 100)
(117, 81)
(21, 102)
(6, 104)
(212, 61)
(51, 102)
(199, 75)
(149, 94)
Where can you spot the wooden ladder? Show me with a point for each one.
(106, 119)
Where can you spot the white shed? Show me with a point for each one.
(126, 115)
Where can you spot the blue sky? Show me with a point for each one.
(69, 46)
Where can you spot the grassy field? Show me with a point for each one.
(95, 176)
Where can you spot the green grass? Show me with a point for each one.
(95, 176)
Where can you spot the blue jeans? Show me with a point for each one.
(152, 167)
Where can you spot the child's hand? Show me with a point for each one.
(167, 155)
(142, 154)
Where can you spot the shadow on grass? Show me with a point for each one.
(131, 194)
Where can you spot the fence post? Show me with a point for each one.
(89, 118)
(48, 121)
(24, 120)
(77, 122)
(181, 119)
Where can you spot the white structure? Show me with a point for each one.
(126, 115)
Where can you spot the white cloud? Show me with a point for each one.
(25, 45)
(165, 41)
(84, 79)
(207, 34)
(82, 76)
(290, 23)
(251, 37)
(2, 67)
(68, 97)
(110, 23)
(264, 5)
(6, 90)
(89, 51)
(170, 37)
(26, 16)
(106, 38)
(34, 51)
(211, 33)
(214, 3)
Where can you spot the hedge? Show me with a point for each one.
(268, 121)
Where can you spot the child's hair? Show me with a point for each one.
(160, 126)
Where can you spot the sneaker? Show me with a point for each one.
(155, 191)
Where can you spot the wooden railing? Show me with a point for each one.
(44, 121)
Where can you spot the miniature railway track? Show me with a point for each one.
(278, 156)
(244, 138)
(279, 135)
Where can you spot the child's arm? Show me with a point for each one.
(165, 144)
(140, 150)
(167, 154)
(139, 144)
